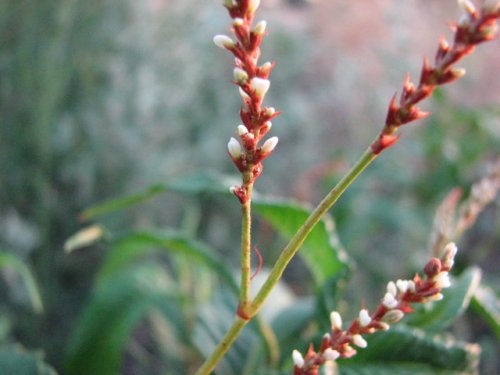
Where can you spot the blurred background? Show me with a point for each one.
(104, 98)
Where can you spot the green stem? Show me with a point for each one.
(286, 256)
(246, 238)
(223, 346)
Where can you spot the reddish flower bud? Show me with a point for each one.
(432, 267)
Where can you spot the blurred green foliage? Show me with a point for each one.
(97, 101)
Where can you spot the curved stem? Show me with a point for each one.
(286, 256)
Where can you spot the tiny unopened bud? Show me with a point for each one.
(449, 252)
(270, 111)
(238, 22)
(266, 127)
(260, 86)
(391, 288)
(242, 130)
(458, 72)
(364, 318)
(389, 301)
(467, 6)
(330, 354)
(442, 280)
(240, 75)
(253, 5)
(298, 360)
(432, 267)
(269, 145)
(359, 341)
(266, 66)
(392, 316)
(336, 320)
(223, 41)
(234, 148)
(228, 3)
(402, 286)
(243, 94)
(411, 286)
(260, 28)
(435, 297)
(384, 326)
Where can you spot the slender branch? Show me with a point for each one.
(287, 254)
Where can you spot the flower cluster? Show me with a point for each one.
(394, 305)
(474, 27)
(253, 84)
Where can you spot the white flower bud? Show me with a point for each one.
(260, 28)
(391, 288)
(243, 94)
(242, 130)
(389, 301)
(411, 286)
(223, 41)
(384, 326)
(359, 341)
(364, 318)
(234, 148)
(442, 280)
(336, 320)
(253, 5)
(238, 22)
(435, 297)
(298, 360)
(269, 145)
(449, 255)
(467, 6)
(260, 86)
(240, 75)
(270, 111)
(330, 355)
(402, 285)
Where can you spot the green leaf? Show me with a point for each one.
(321, 250)
(118, 204)
(16, 360)
(401, 345)
(199, 183)
(8, 260)
(486, 303)
(437, 316)
(116, 307)
(393, 369)
(127, 250)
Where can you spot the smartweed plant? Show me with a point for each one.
(252, 78)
